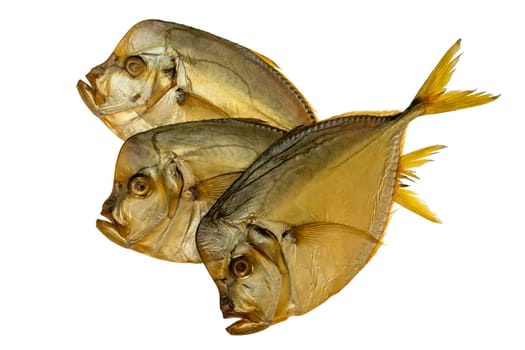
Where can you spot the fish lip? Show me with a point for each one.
(112, 231)
(246, 326)
(230, 314)
(228, 310)
(87, 93)
(233, 314)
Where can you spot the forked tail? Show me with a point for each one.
(433, 98)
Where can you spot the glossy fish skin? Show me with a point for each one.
(311, 211)
(210, 155)
(167, 178)
(164, 73)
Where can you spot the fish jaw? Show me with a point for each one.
(117, 99)
(112, 229)
(244, 326)
(138, 241)
(87, 93)
(112, 232)
(124, 123)
(118, 228)
(250, 321)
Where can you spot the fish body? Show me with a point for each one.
(164, 73)
(167, 178)
(311, 211)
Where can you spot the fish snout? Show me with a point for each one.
(94, 74)
(107, 208)
(114, 227)
(227, 306)
(226, 302)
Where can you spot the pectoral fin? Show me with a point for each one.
(322, 258)
(211, 189)
(317, 234)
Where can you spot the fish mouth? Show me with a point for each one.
(233, 314)
(244, 325)
(228, 309)
(113, 231)
(91, 97)
(249, 321)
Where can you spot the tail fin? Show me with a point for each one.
(433, 95)
(407, 198)
(433, 98)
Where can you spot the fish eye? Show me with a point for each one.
(139, 185)
(135, 66)
(241, 267)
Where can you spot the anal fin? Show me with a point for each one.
(408, 198)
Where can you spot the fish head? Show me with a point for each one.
(246, 265)
(138, 72)
(146, 189)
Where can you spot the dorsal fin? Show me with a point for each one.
(265, 59)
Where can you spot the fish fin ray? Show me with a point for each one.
(254, 121)
(322, 258)
(433, 95)
(406, 197)
(214, 187)
(314, 233)
(416, 159)
(389, 113)
(410, 201)
(380, 241)
(265, 59)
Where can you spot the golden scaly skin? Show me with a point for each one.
(167, 178)
(310, 212)
(164, 73)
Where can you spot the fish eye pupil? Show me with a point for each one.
(139, 186)
(241, 267)
(135, 66)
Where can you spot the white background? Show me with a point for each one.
(458, 285)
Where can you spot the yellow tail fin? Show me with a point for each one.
(406, 197)
(433, 98)
(433, 95)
